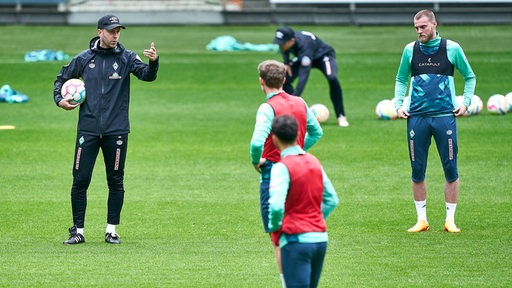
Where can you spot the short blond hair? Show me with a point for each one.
(426, 13)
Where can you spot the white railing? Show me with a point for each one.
(144, 5)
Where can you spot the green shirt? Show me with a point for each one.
(455, 55)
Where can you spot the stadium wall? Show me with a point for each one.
(234, 12)
(33, 12)
(372, 12)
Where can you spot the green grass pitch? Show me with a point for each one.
(191, 214)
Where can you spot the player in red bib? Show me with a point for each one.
(264, 154)
(301, 198)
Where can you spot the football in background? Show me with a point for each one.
(474, 108)
(476, 105)
(321, 112)
(497, 104)
(508, 97)
(74, 88)
(385, 110)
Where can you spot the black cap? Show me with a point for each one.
(283, 34)
(109, 22)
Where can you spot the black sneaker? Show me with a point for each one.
(112, 238)
(74, 237)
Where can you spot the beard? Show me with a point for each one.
(426, 37)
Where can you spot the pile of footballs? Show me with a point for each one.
(497, 104)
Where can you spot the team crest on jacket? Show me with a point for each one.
(115, 76)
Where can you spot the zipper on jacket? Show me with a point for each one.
(100, 126)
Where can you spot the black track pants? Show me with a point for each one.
(114, 150)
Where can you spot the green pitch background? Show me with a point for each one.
(191, 214)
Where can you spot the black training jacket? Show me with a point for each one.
(106, 73)
(308, 48)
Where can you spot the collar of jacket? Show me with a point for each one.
(94, 46)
